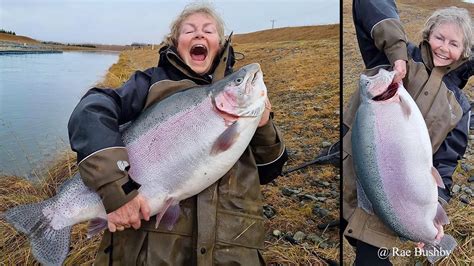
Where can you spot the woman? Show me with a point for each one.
(433, 73)
(205, 233)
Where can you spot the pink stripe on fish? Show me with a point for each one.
(160, 144)
(394, 167)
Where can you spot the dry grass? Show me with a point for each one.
(413, 14)
(302, 76)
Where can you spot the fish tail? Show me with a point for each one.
(49, 246)
(441, 250)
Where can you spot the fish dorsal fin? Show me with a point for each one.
(226, 139)
(437, 177)
(362, 199)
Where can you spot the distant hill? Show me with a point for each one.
(17, 38)
(289, 34)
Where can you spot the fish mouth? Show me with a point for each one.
(387, 94)
(198, 52)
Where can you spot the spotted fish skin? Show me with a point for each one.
(177, 148)
(392, 158)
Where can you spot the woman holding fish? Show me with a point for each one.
(223, 223)
(433, 73)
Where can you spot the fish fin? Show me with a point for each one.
(362, 200)
(162, 212)
(171, 216)
(441, 216)
(49, 246)
(406, 109)
(96, 226)
(441, 250)
(225, 140)
(437, 177)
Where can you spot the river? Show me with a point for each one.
(37, 95)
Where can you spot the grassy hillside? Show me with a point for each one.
(17, 39)
(413, 14)
(302, 76)
(289, 34)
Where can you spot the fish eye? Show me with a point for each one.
(239, 80)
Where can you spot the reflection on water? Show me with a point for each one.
(37, 95)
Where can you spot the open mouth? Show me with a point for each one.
(389, 93)
(198, 52)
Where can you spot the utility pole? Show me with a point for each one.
(273, 22)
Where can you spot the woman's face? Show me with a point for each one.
(446, 43)
(198, 42)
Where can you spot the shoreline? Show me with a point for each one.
(10, 52)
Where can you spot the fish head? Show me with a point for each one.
(241, 94)
(378, 87)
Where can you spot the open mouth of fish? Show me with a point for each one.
(387, 94)
(198, 52)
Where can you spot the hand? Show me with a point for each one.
(266, 113)
(129, 214)
(400, 68)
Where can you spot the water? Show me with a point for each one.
(37, 95)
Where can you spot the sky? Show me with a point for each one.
(148, 21)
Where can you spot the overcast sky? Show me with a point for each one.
(127, 21)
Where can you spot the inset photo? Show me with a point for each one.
(408, 162)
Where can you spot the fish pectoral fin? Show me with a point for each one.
(226, 139)
(437, 177)
(96, 226)
(406, 109)
(169, 214)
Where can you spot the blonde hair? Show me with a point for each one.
(456, 15)
(172, 38)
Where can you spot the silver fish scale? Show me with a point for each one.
(368, 169)
(168, 107)
(162, 164)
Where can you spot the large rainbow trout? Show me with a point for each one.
(393, 162)
(177, 148)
